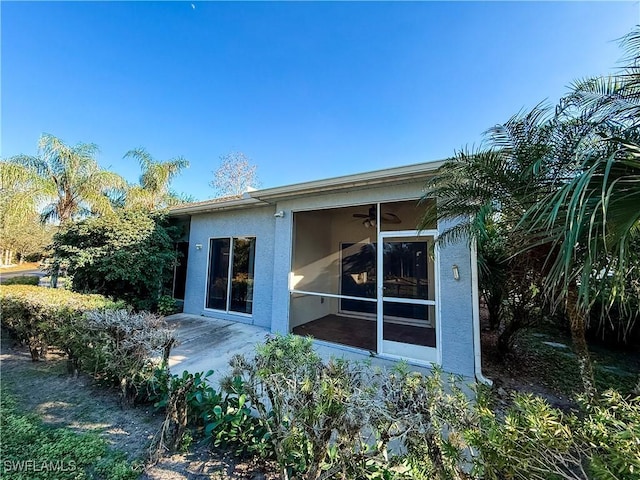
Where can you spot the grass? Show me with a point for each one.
(31, 450)
(557, 368)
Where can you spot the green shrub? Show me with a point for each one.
(610, 429)
(231, 425)
(21, 280)
(167, 305)
(320, 419)
(129, 256)
(314, 414)
(40, 316)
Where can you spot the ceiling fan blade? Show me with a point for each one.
(390, 218)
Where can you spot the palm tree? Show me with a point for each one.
(593, 219)
(153, 191)
(68, 180)
(483, 194)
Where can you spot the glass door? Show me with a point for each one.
(407, 323)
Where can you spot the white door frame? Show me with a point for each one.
(413, 353)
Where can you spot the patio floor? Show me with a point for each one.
(361, 333)
(209, 343)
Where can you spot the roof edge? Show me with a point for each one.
(387, 175)
(266, 196)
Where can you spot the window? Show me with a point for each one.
(231, 272)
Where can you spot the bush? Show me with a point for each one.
(126, 349)
(22, 280)
(314, 414)
(129, 256)
(42, 316)
(231, 425)
(167, 305)
(350, 421)
(610, 429)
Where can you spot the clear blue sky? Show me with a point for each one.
(306, 90)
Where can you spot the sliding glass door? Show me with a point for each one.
(231, 274)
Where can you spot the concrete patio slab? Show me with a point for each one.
(207, 343)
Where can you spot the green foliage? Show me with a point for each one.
(342, 420)
(67, 178)
(611, 429)
(22, 280)
(128, 256)
(40, 316)
(532, 440)
(153, 191)
(26, 235)
(231, 425)
(200, 398)
(54, 452)
(167, 305)
(313, 413)
(115, 345)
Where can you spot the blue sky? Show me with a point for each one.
(307, 90)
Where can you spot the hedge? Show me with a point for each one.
(45, 316)
(21, 280)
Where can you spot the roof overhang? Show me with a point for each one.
(215, 205)
(389, 176)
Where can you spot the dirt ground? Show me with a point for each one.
(77, 403)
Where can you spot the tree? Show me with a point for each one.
(484, 193)
(235, 175)
(128, 255)
(566, 187)
(27, 238)
(68, 179)
(593, 220)
(18, 207)
(154, 192)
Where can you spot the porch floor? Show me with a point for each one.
(361, 333)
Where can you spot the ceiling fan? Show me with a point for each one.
(370, 218)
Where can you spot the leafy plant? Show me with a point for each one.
(128, 255)
(167, 305)
(127, 347)
(611, 430)
(231, 425)
(314, 414)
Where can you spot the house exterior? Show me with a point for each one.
(339, 259)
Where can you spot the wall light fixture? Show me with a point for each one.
(456, 272)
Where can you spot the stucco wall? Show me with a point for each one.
(255, 222)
